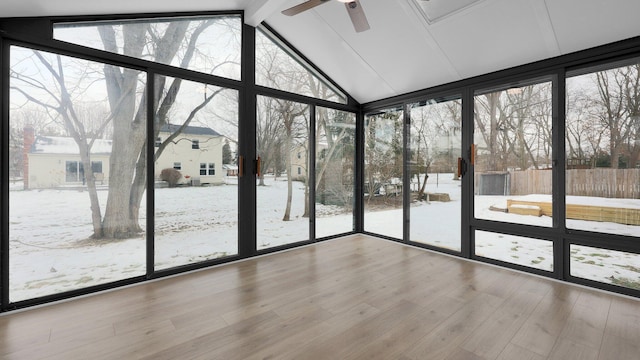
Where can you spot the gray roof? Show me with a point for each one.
(191, 130)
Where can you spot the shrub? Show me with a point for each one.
(171, 176)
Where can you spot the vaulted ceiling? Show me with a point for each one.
(412, 44)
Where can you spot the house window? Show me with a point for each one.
(195, 144)
(158, 142)
(73, 171)
(177, 166)
(299, 170)
(96, 167)
(207, 169)
(299, 155)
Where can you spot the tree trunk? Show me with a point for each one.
(119, 221)
(493, 135)
(424, 185)
(138, 188)
(306, 200)
(96, 216)
(129, 136)
(288, 148)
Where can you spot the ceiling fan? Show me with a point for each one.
(354, 9)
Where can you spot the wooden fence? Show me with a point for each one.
(601, 182)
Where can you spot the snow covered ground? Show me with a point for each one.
(50, 249)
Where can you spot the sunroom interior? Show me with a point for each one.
(498, 132)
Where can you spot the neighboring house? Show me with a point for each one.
(299, 159)
(196, 152)
(231, 170)
(299, 162)
(54, 161)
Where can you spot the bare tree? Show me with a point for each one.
(383, 152)
(268, 135)
(290, 114)
(611, 108)
(63, 109)
(127, 116)
(514, 126)
(489, 124)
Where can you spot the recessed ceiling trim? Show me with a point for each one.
(546, 27)
(414, 9)
(432, 12)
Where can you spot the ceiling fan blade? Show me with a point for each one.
(357, 16)
(303, 7)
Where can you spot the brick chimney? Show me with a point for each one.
(29, 139)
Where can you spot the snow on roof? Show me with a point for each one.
(66, 145)
(192, 130)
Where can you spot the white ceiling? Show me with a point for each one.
(404, 51)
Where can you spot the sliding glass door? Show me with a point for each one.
(196, 178)
(383, 173)
(77, 196)
(435, 135)
(513, 163)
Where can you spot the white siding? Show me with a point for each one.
(210, 152)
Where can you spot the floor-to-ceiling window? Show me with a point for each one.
(282, 194)
(288, 140)
(383, 173)
(435, 135)
(74, 224)
(602, 172)
(335, 171)
(512, 158)
(196, 207)
(126, 152)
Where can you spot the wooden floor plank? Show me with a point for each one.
(357, 297)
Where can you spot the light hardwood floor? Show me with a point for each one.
(352, 298)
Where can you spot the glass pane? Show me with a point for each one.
(383, 173)
(196, 209)
(518, 250)
(210, 44)
(435, 145)
(278, 67)
(603, 151)
(282, 200)
(512, 173)
(335, 156)
(607, 266)
(70, 226)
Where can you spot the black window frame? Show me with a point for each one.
(37, 33)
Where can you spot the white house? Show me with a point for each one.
(54, 161)
(196, 152)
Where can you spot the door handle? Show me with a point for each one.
(258, 165)
(240, 166)
(462, 167)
